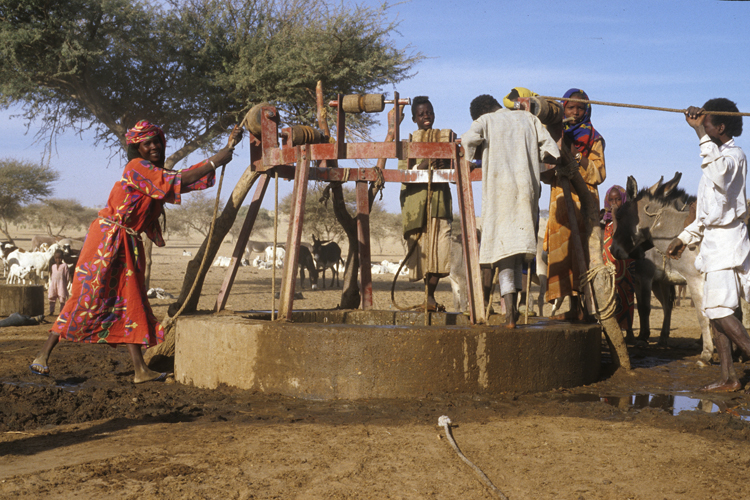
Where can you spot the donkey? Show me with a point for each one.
(306, 262)
(327, 255)
(646, 224)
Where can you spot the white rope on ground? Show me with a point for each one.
(445, 423)
(610, 305)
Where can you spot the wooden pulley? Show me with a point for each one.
(432, 135)
(303, 134)
(368, 103)
(252, 119)
(548, 112)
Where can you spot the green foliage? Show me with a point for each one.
(56, 215)
(320, 220)
(264, 220)
(194, 214)
(21, 182)
(194, 67)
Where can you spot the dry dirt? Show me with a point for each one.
(88, 432)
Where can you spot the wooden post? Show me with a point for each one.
(294, 237)
(469, 240)
(363, 236)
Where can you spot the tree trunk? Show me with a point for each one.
(224, 223)
(350, 296)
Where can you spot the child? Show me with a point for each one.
(59, 276)
(514, 145)
(624, 283)
(430, 236)
(724, 255)
(588, 147)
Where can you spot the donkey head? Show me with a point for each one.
(641, 215)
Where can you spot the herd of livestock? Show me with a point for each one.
(31, 267)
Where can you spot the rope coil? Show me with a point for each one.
(608, 309)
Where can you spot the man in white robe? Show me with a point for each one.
(719, 227)
(514, 145)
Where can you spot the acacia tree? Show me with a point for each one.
(59, 214)
(194, 67)
(21, 182)
(193, 214)
(263, 220)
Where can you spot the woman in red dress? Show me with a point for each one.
(108, 304)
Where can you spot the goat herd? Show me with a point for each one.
(31, 267)
(313, 259)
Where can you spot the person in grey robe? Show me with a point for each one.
(513, 146)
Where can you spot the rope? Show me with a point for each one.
(379, 183)
(167, 325)
(132, 232)
(445, 423)
(610, 305)
(638, 106)
(398, 272)
(275, 238)
(492, 293)
(428, 217)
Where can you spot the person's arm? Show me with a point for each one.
(548, 150)
(593, 170)
(223, 157)
(473, 139)
(691, 235)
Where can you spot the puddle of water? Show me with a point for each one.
(673, 404)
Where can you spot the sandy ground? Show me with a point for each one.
(88, 432)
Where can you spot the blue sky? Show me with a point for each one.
(658, 53)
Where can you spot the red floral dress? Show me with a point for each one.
(108, 303)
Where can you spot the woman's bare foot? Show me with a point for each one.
(150, 376)
(722, 386)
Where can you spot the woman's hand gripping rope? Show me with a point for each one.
(234, 139)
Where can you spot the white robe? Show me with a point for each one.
(515, 142)
(720, 210)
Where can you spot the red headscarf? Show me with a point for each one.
(143, 131)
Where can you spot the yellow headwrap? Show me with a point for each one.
(521, 92)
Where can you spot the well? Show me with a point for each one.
(382, 354)
(28, 300)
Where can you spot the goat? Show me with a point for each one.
(18, 274)
(39, 261)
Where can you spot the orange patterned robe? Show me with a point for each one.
(562, 281)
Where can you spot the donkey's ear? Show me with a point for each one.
(656, 186)
(670, 186)
(631, 188)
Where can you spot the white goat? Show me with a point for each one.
(280, 254)
(18, 274)
(37, 261)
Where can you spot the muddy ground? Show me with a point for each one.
(88, 432)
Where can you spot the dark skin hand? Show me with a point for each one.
(223, 157)
(675, 249)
